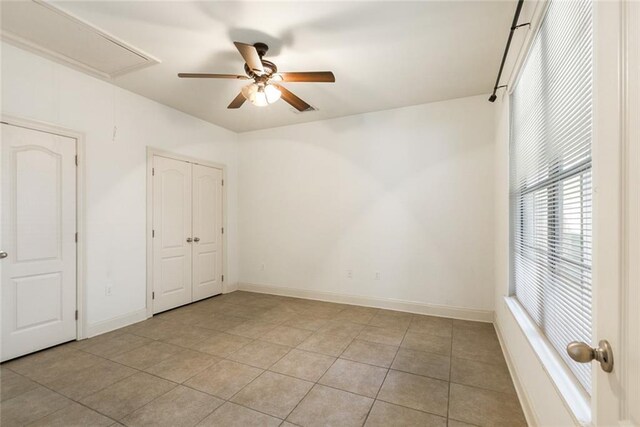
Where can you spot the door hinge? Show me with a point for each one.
(222, 230)
(153, 171)
(153, 233)
(223, 277)
(223, 182)
(76, 237)
(153, 295)
(76, 314)
(76, 160)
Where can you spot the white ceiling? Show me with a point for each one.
(384, 54)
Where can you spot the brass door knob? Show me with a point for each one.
(196, 239)
(189, 240)
(583, 353)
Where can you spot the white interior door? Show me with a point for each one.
(207, 232)
(631, 336)
(38, 235)
(616, 150)
(172, 233)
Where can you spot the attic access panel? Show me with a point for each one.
(44, 29)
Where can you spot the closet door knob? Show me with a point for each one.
(189, 240)
(196, 239)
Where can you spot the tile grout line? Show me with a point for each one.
(316, 382)
(387, 373)
(228, 400)
(268, 370)
(71, 400)
(138, 371)
(91, 394)
(327, 370)
(251, 382)
(450, 371)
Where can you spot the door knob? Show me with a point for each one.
(189, 240)
(581, 352)
(3, 254)
(196, 239)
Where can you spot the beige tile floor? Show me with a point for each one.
(244, 359)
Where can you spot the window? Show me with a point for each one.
(550, 179)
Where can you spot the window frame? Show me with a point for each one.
(573, 394)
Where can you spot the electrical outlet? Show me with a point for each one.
(349, 274)
(107, 290)
(376, 275)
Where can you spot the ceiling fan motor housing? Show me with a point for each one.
(269, 67)
(262, 48)
(269, 70)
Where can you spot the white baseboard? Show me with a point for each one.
(230, 287)
(523, 396)
(386, 303)
(109, 325)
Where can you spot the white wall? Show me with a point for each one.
(407, 193)
(38, 89)
(541, 401)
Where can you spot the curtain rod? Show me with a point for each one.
(514, 26)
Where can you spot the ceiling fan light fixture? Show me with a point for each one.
(249, 90)
(259, 98)
(260, 94)
(272, 93)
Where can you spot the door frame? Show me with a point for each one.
(151, 151)
(81, 294)
(630, 331)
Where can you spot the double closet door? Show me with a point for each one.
(187, 232)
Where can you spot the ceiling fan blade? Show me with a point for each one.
(292, 99)
(309, 76)
(237, 101)
(211, 76)
(250, 56)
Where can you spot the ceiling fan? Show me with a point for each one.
(264, 89)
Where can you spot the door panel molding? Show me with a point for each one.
(151, 152)
(53, 129)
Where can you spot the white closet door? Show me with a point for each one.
(172, 230)
(207, 232)
(38, 235)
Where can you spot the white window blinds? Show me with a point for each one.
(550, 161)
